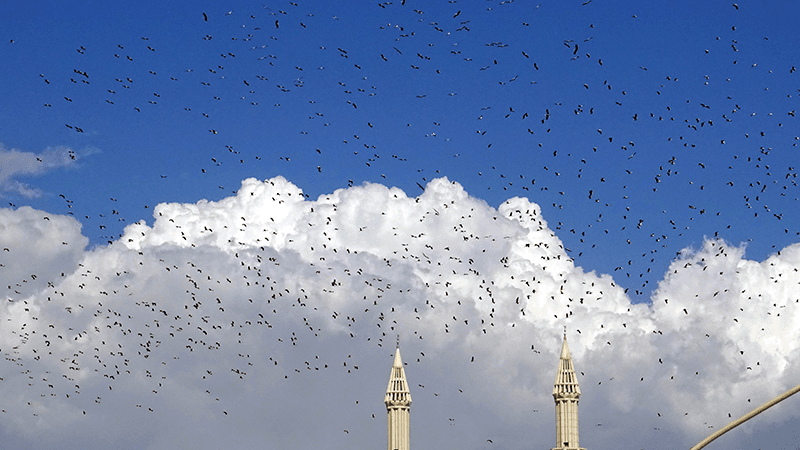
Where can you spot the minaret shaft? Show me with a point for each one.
(398, 428)
(566, 393)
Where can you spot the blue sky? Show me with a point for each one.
(640, 132)
(399, 122)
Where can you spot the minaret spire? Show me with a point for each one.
(398, 404)
(566, 393)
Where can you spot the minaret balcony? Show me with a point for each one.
(566, 395)
(397, 403)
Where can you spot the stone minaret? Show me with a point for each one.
(566, 393)
(398, 405)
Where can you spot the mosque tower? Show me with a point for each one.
(398, 405)
(566, 393)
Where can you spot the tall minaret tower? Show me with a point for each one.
(566, 393)
(398, 405)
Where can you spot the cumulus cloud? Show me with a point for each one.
(16, 164)
(37, 248)
(269, 319)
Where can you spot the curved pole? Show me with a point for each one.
(747, 417)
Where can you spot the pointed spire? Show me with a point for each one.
(398, 405)
(398, 364)
(566, 381)
(397, 393)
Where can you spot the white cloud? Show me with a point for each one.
(15, 164)
(267, 319)
(36, 248)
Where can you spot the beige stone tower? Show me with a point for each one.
(566, 393)
(398, 405)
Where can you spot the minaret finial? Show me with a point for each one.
(398, 341)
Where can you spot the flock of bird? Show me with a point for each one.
(344, 120)
(608, 165)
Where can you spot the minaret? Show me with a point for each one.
(566, 393)
(398, 405)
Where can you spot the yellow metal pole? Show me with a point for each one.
(747, 417)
